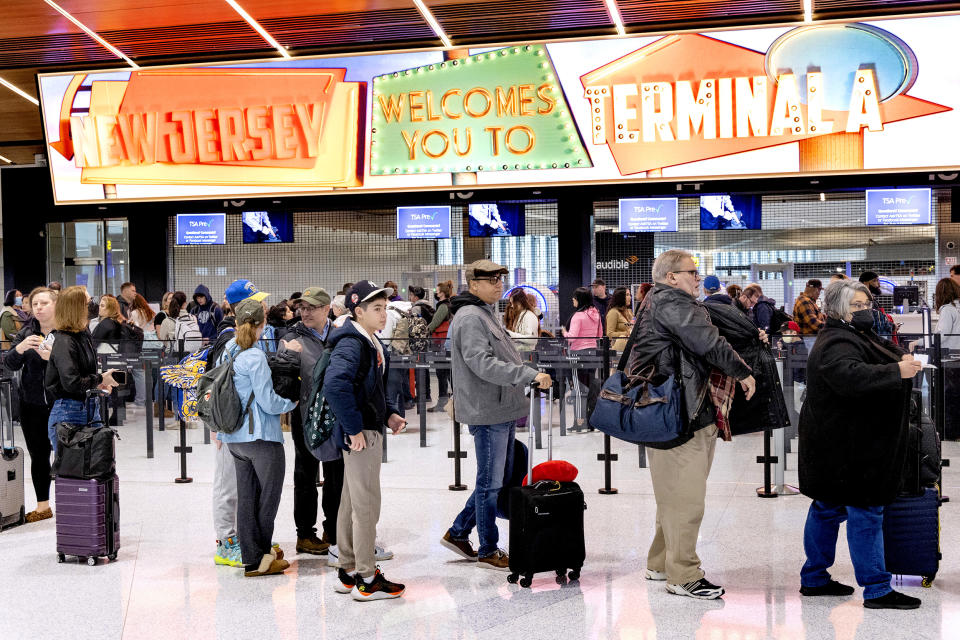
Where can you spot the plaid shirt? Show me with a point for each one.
(722, 388)
(807, 316)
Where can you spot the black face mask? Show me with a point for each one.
(875, 290)
(862, 320)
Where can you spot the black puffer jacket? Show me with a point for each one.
(72, 368)
(668, 317)
(766, 409)
(30, 362)
(853, 425)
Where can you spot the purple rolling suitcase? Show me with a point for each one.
(88, 515)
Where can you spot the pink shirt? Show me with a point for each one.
(585, 328)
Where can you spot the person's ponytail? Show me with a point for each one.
(246, 335)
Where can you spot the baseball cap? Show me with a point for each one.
(248, 310)
(241, 290)
(482, 268)
(315, 296)
(711, 283)
(362, 291)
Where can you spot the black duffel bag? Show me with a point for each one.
(87, 451)
(285, 371)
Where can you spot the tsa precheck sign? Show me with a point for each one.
(898, 206)
(423, 223)
(648, 214)
(202, 228)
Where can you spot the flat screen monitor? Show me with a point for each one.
(267, 226)
(496, 219)
(723, 212)
(648, 214)
(909, 295)
(423, 223)
(201, 228)
(898, 206)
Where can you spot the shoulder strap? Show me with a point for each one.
(246, 410)
(622, 365)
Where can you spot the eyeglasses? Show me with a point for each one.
(694, 272)
(860, 306)
(491, 279)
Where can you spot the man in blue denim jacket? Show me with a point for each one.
(489, 397)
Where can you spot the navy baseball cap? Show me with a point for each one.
(241, 290)
(363, 291)
(711, 283)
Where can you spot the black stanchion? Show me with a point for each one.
(422, 373)
(161, 403)
(767, 490)
(939, 396)
(183, 450)
(642, 452)
(457, 455)
(606, 457)
(383, 451)
(148, 404)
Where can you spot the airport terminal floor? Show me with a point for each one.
(165, 585)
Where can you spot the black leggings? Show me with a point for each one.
(33, 419)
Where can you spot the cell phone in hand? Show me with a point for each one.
(120, 377)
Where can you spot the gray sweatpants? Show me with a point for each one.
(224, 495)
(260, 468)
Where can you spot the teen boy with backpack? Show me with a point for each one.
(354, 385)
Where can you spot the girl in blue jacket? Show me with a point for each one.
(257, 446)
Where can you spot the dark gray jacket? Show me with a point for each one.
(668, 317)
(489, 375)
(312, 350)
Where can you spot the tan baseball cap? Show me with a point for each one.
(483, 268)
(316, 296)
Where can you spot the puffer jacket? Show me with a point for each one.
(585, 327)
(30, 362)
(668, 319)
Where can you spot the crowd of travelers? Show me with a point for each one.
(718, 339)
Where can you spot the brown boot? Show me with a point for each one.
(312, 545)
(37, 516)
(269, 565)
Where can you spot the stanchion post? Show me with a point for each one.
(606, 457)
(642, 452)
(457, 456)
(767, 490)
(148, 404)
(939, 404)
(422, 373)
(162, 402)
(183, 450)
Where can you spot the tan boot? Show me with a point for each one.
(269, 565)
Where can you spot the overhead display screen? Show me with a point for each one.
(648, 214)
(423, 223)
(487, 220)
(201, 228)
(736, 103)
(898, 206)
(267, 226)
(720, 213)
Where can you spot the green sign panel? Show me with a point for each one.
(501, 110)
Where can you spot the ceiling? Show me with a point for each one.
(35, 38)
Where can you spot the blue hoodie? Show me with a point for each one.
(358, 400)
(209, 315)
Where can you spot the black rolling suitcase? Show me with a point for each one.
(12, 510)
(546, 520)
(911, 524)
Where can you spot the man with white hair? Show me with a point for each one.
(673, 326)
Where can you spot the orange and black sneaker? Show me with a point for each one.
(377, 589)
(344, 582)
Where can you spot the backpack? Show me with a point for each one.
(778, 320)
(131, 338)
(410, 334)
(424, 310)
(218, 403)
(188, 330)
(320, 421)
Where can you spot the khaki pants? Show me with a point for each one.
(679, 478)
(360, 506)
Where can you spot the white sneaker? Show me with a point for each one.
(333, 556)
(650, 574)
(701, 589)
(380, 554)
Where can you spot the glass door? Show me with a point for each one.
(94, 254)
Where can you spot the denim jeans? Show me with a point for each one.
(864, 538)
(494, 450)
(66, 410)
(395, 378)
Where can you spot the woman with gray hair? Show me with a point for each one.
(853, 436)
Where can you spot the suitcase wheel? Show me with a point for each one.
(574, 574)
(61, 557)
(927, 581)
(512, 578)
(112, 556)
(92, 561)
(526, 581)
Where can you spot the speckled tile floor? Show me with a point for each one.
(165, 585)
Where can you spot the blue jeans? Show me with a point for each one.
(66, 410)
(395, 394)
(864, 538)
(494, 445)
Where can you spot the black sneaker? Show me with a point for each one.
(344, 582)
(893, 600)
(379, 589)
(700, 589)
(832, 588)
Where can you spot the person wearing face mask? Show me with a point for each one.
(853, 442)
(12, 317)
(882, 323)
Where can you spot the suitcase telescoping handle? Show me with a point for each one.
(97, 397)
(6, 409)
(534, 386)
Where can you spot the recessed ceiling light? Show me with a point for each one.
(437, 29)
(22, 93)
(7, 160)
(256, 27)
(614, 12)
(93, 34)
(808, 10)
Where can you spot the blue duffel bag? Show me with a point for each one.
(634, 409)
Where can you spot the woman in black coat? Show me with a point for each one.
(853, 431)
(766, 409)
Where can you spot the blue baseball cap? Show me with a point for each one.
(241, 290)
(711, 283)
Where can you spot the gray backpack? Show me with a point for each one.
(218, 403)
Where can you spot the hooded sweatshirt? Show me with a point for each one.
(585, 327)
(209, 315)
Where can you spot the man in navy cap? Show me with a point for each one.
(711, 287)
